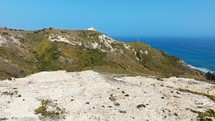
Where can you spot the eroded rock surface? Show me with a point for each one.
(93, 96)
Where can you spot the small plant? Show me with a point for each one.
(87, 103)
(126, 95)
(4, 33)
(112, 98)
(212, 97)
(160, 79)
(10, 93)
(49, 110)
(121, 111)
(210, 76)
(3, 119)
(46, 102)
(205, 116)
(116, 104)
(141, 106)
(63, 32)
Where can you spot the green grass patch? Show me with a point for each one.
(207, 115)
(49, 110)
(212, 97)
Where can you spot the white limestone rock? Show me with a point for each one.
(59, 38)
(146, 52)
(3, 41)
(107, 41)
(128, 47)
(15, 40)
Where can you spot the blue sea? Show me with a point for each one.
(197, 53)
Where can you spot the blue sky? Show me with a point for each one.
(137, 18)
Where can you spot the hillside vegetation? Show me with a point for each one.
(27, 52)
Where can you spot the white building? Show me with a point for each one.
(91, 28)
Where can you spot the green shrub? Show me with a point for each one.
(49, 110)
(210, 76)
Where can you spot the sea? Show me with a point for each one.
(196, 53)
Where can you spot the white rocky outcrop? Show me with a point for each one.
(94, 45)
(128, 47)
(93, 96)
(59, 38)
(107, 41)
(141, 51)
(105, 44)
(146, 52)
(10, 39)
(69, 36)
(105, 38)
(3, 41)
(80, 44)
(15, 40)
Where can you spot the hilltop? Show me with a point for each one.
(27, 52)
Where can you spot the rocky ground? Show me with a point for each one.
(91, 96)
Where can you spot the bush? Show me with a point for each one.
(207, 115)
(4, 33)
(50, 28)
(49, 110)
(210, 76)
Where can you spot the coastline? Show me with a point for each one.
(199, 53)
(200, 68)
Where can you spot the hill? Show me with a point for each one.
(26, 52)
